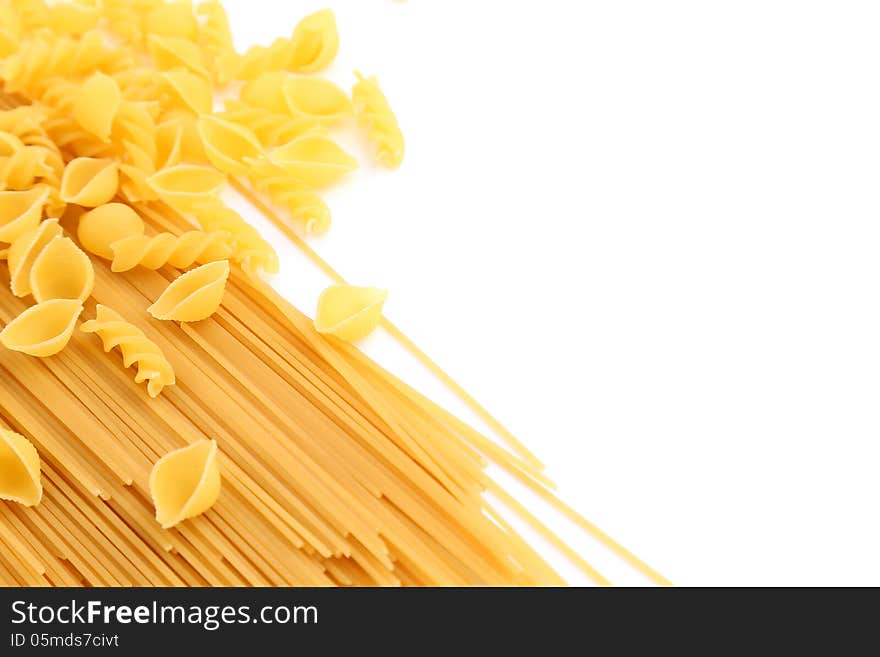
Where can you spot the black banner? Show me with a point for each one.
(413, 621)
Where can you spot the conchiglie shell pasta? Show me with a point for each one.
(193, 296)
(19, 469)
(193, 91)
(185, 185)
(314, 160)
(349, 312)
(107, 223)
(316, 42)
(228, 145)
(266, 91)
(20, 212)
(169, 144)
(44, 329)
(89, 181)
(185, 483)
(314, 98)
(24, 250)
(171, 52)
(96, 105)
(62, 271)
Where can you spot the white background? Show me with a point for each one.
(645, 235)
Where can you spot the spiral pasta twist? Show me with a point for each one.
(215, 37)
(179, 251)
(303, 206)
(48, 55)
(249, 249)
(374, 112)
(136, 348)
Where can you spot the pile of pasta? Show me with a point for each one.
(167, 418)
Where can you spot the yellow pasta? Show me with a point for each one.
(185, 483)
(313, 45)
(62, 271)
(72, 17)
(186, 185)
(106, 224)
(348, 312)
(96, 105)
(172, 52)
(228, 146)
(179, 251)
(215, 37)
(375, 114)
(136, 347)
(192, 91)
(24, 167)
(316, 42)
(193, 296)
(44, 329)
(303, 206)
(89, 181)
(173, 19)
(270, 128)
(169, 143)
(20, 212)
(315, 99)
(249, 248)
(19, 469)
(266, 91)
(24, 250)
(314, 160)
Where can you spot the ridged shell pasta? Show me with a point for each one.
(374, 112)
(19, 469)
(89, 181)
(349, 312)
(193, 296)
(179, 251)
(44, 329)
(62, 271)
(186, 185)
(96, 105)
(136, 347)
(20, 212)
(314, 160)
(24, 250)
(192, 91)
(185, 483)
(228, 146)
(315, 99)
(106, 224)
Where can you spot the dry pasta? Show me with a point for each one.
(136, 347)
(44, 329)
(179, 251)
(193, 296)
(185, 483)
(20, 212)
(19, 469)
(61, 271)
(24, 251)
(89, 181)
(99, 228)
(373, 110)
(349, 312)
(335, 472)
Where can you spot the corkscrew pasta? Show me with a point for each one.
(136, 347)
(179, 251)
(375, 113)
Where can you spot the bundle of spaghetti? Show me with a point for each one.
(335, 472)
